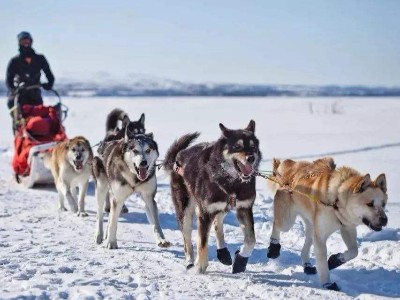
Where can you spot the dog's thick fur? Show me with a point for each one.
(212, 178)
(328, 199)
(71, 166)
(126, 166)
(114, 133)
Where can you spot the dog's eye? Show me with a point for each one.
(148, 151)
(383, 204)
(73, 149)
(236, 147)
(370, 204)
(135, 151)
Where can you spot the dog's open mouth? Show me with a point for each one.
(141, 173)
(78, 164)
(373, 227)
(244, 170)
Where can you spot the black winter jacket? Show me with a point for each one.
(20, 71)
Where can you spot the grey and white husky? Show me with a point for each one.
(126, 166)
(113, 132)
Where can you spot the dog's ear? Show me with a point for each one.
(126, 137)
(141, 120)
(88, 144)
(251, 127)
(275, 164)
(363, 184)
(380, 182)
(125, 121)
(225, 131)
(150, 135)
(67, 145)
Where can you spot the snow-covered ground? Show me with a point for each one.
(47, 254)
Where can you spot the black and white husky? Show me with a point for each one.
(117, 123)
(211, 179)
(126, 166)
(116, 116)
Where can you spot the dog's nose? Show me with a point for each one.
(250, 158)
(143, 163)
(79, 156)
(383, 220)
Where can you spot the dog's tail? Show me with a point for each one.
(272, 185)
(47, 159)
(182, 143)
(113, 117)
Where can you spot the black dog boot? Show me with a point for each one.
(335, 261)
(309, 269)
(224, 256)
(274, 250)
(124, 209)
(239, 263)
(331, 286)
(189, 265)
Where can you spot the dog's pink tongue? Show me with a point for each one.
(142, 173)
(78, 165)
(246, 169)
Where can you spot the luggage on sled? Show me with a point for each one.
(37, 129)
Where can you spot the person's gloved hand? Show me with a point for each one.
(47, 86)
(10, 103)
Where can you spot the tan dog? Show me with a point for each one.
(71, 166)
(328, 199)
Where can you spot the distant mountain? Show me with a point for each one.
(141, 85)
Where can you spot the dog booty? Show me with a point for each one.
(335, 261)
(224, 256)
(331, 286)
(309, 269)
(239, 263)
(189, 265)
(274, 250)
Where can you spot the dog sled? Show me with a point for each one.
(37, 129)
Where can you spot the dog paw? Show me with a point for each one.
(99, 239)
(335, 261)
(124, 209)
(201, 269)
(309, 269)
(82, 214)
(164, 244)
(224, 256)
(107, 210)
(331, 286)
(189, 265)
(112, 245)
(239, 263)
(62, 209)
(274, 250)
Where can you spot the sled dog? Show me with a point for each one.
(113, 133)
(71, 165)
(211, 179)
(126, 166)
(328, 199)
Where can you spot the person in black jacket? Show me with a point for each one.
(26, 68)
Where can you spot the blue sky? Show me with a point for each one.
(277, 42)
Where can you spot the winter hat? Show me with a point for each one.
(24, 35)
